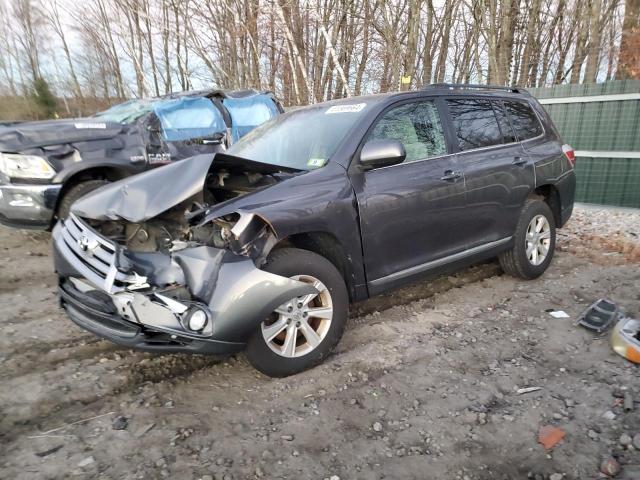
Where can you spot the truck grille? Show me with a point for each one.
(91, 254)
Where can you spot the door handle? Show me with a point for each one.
(451, 175)
(519, 161)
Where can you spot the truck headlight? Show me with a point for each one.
(15, 165)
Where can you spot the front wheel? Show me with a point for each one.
(300, 333)
(534, 242)
(75, 193)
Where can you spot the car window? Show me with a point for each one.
(474, 123)
(127, 112)
(417, 125)
(508, 135)
(186, 118)
(249, 112)
(525, 122)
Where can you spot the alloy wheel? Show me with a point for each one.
(298, 326)
(538, 240)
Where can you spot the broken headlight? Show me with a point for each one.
(244, 234)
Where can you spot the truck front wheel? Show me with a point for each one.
(75, 193)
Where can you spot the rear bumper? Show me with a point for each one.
(28, 206)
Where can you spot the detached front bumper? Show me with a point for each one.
(99, 316)
(147, 301)
(28, 206)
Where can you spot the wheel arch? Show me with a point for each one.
(328, 246)
(101, 172)
(551, 196)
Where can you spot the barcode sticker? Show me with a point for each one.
(355, 108)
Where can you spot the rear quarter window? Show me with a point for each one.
(523, 119)
(474, 122)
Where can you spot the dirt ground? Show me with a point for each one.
(423, 385)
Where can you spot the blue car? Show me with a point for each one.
(46, 166)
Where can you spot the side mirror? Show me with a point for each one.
(382, 153)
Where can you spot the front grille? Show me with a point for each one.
(93, 255)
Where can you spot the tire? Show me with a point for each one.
(75, 193)
(521, 261)
(306, 266)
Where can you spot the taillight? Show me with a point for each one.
(570, 154)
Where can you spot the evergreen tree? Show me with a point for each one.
(44, 98)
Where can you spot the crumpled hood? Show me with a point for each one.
(28, 135)
(146, 195)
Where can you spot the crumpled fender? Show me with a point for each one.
(240, 295)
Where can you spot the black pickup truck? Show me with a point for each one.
(45, 166)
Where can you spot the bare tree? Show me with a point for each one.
(629, 56)
(53, 18)
(312, 50)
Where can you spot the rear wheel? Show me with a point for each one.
(301, 332)
(75, 193)
(534, 242)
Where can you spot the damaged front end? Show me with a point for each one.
(170, 279)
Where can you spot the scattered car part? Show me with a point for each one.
(599, 316)
(625, 339)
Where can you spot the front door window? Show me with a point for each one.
(417, 125)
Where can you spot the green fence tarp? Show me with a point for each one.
(610, 125)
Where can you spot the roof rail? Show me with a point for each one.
(473, 86)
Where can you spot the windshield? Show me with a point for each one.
(249, 112)
(127, 112)
(302, 139)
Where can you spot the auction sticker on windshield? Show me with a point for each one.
(89, 126)
(356, 107)
(315, 162)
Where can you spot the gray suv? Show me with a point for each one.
(263, 247)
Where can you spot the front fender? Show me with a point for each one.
(321, 200)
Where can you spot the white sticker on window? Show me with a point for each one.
(87, 126)
(315, 162)
(356, 107)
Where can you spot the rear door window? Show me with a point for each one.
(417, 125)
(525, 122)
(508, 136)
(475, 124)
